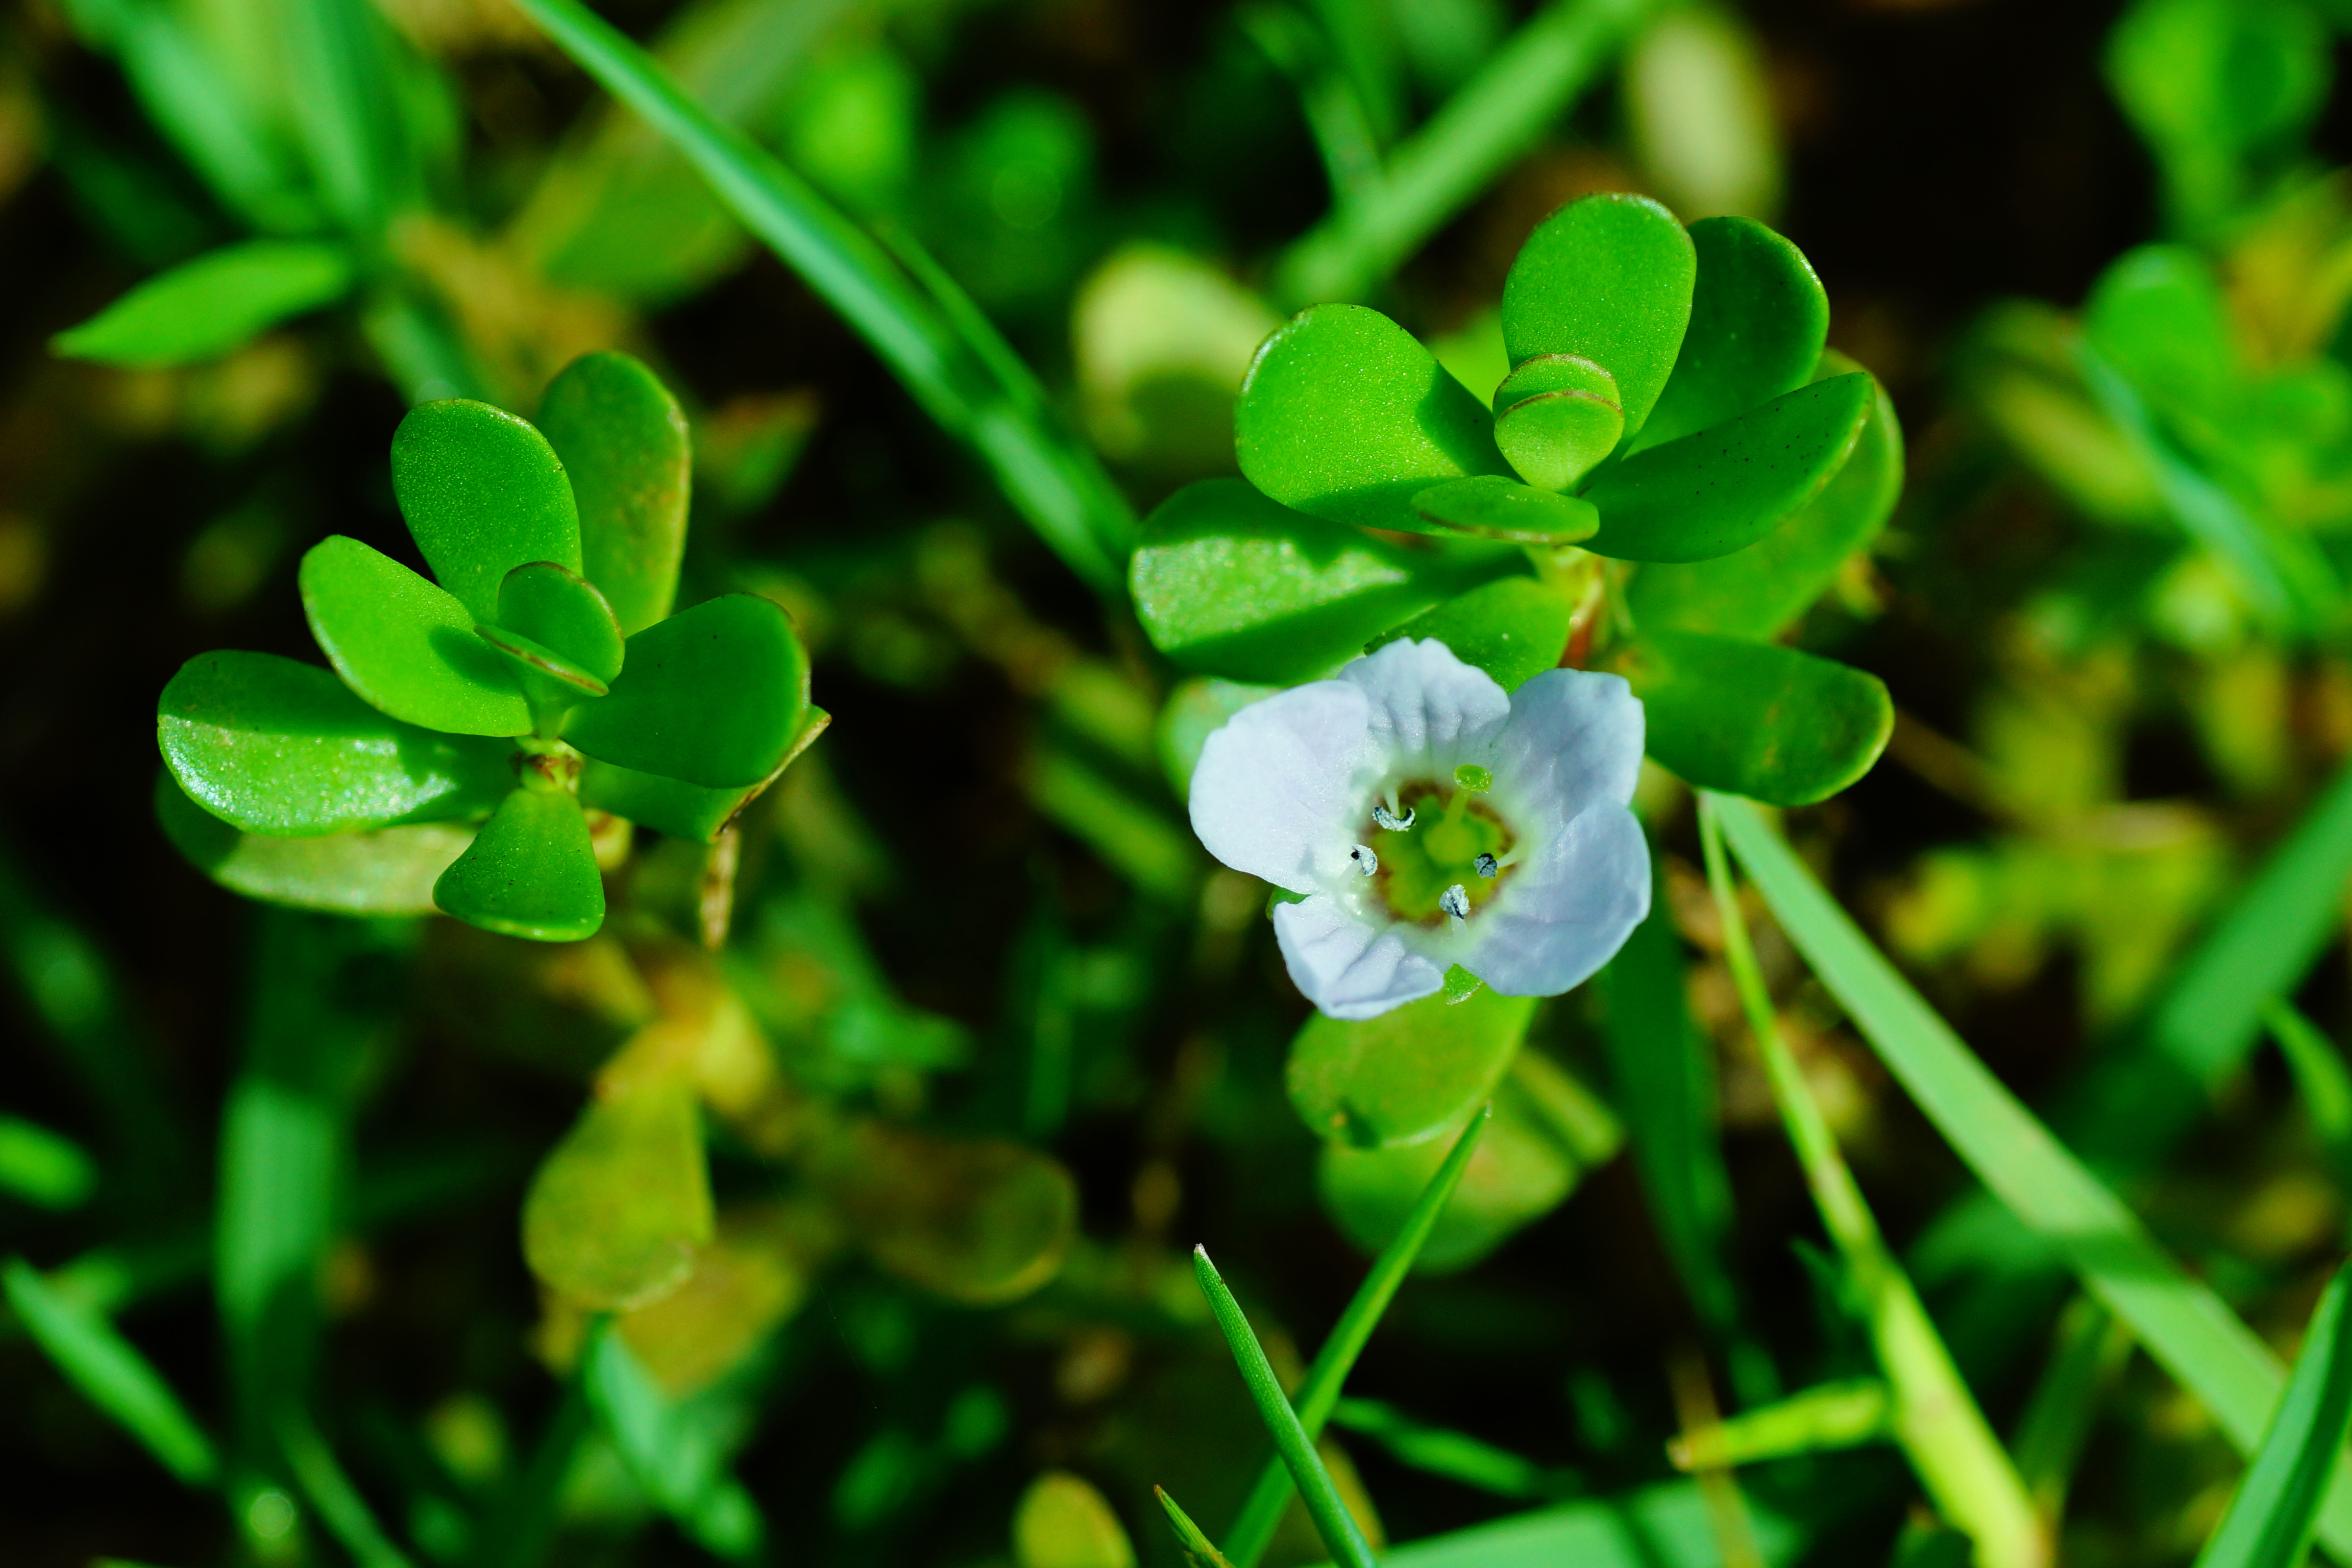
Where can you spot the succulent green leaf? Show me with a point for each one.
(981, 1221)
(1231, 583)
(1407, 1075)
(1518, 1172)
(209, 305)
(1608, 279)
(1756, 719)
(1724, 489)
(1757, 591)
(1547, 374)
(2158, 315)
(483, 493)
(623, 441)
(1492, 507)
(565, 613)
(387, 871)
(617, 1210)
(1344, 415)
(271, 745)
(1063, 1522)
(531, 873)
(679, 809)
(1759, 318)
(1511, 630)
(404, 645)
(550, 683)
(714, 695)
(1555, 438)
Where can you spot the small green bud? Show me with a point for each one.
(1474, 778)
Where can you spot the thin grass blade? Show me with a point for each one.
(2192, 1334)
(1247, 1541)
(111, 1375)
(2090, 1347)
(1196, 1544)
(2269, 1521)
(2320, 1076)
(338, 1504)
(1333, 1522)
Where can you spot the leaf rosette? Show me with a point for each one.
(479, 724)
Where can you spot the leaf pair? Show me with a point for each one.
(1660, 377)
(544, 638)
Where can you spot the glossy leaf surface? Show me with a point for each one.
(714, 695)
(483, 493)
(404, 645)
(1231, 583)
(1609, 278)
(1756, 719)
(1492, 507)
(1724, 489)
(387, 871)
(1407, 1075)
(1759, 318)
(1511, 630)
(563, 612)
(1755, 592)
(1345, 415)
(271, 745)
(624, 443)
(676, 808)
(617, 1209)
(206, 307)
(531, 873)
(1554, 438)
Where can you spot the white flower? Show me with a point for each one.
(1380, 796)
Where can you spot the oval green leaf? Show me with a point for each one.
(1724, 489)
(679, 809)
(404, 645)
(1408, 1075)
(715, 696)
(1758, 591)
(209, 305)
(1759, 318)
(531, 873)
(1756, 719)
(1518, 1172)
(1608, 279)
(1492, 507)
(1231, 583)
(483, 493)
(271, 745)
(1511, 630)
(977, 1221)
(2158, 315)
(623, 441)
(618, 1209)
(1555, 438)
(562, 612)
(1346, 416)
(388, 871)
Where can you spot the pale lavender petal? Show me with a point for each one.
(1429, 709)
(1348, 967)
(1574, 739)
(1281, 783)
(1568, 910)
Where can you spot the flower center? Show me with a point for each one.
(1454, 841)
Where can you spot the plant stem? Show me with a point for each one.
(1935, 1417)
(1333, 1522)
(1247, 1541)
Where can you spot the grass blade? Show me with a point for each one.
(1456, 1456)
(1055, 483)
(521, 1527)
(2269, 1520)
(111, 1375)
(2091, 1347)
(1320, 1392)
(43, 1168)
(2192, 1334)
(1935, 1417)
(2320, 1076)
(341, 1508)
(1197, 1545)
(679, 1462)
(1494, 116)
(1831, 1417)
(1660, 1526)
(1333, 1522)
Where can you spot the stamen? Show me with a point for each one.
(1488, 866)
(1474, 778)
(1456, 901)
(1366, 861)
(1389, 820)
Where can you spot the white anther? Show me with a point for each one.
(1395, 824)
(1487, 865)
(1366, 861)
(1456, 901)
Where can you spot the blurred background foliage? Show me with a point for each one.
(895, 1128)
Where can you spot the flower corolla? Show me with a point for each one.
(1427, 819)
